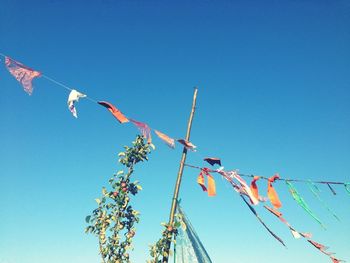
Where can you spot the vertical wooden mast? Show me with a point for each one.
(179, 174)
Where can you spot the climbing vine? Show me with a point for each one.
(113, 221)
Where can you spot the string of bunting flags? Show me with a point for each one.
(25, 76)
(248, 192)
(251, 197)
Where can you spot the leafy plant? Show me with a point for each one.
(113, 221)
(158, 251)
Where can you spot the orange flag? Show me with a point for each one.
(271, 192)
(254, 187)
(22, 73)
(211, 189)
(116, 113)
(165, 138)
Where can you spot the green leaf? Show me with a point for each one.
(104, 191)
(139, 187)
(98, 201)
(87, 219)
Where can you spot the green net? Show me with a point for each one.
(188, 247)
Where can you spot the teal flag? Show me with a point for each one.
(316, 192)
(302, 203)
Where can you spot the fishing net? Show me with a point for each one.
(189, 248)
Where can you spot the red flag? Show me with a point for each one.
(144, 129)
(116, 113)
(22, 73)
(271, 192)
(169, 141)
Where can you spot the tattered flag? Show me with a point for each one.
(271, 192)
(187, 144)
(22, 73)
(144, 129)
(72, 98)
(165, 138)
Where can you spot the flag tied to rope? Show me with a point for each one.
(302, 203)
(165, 138)
(307, 236)
(254, 187)
(316, 192)
(72, 98)
(212, 160)
(144, 129)
(323, 249)
(115, 112)
(244, 188)
(211, 189)
(271, 192)
(22, 73)
(187, 144)
(296, 234)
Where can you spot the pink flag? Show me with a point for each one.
(144, 129)
(22, 73)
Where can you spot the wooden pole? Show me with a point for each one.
(179, 174)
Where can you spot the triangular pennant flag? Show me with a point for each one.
(116, 113)
(72, 98)
(144, 129)
(271, 192)
(22, 73)
(212, 160)
(165, 138)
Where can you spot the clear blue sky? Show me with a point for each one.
(274, 94)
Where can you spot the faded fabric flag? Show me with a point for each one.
(302, 203)
(187, 144)
(165, 138)
(144, 129)
(22, 73)
(72, 98)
